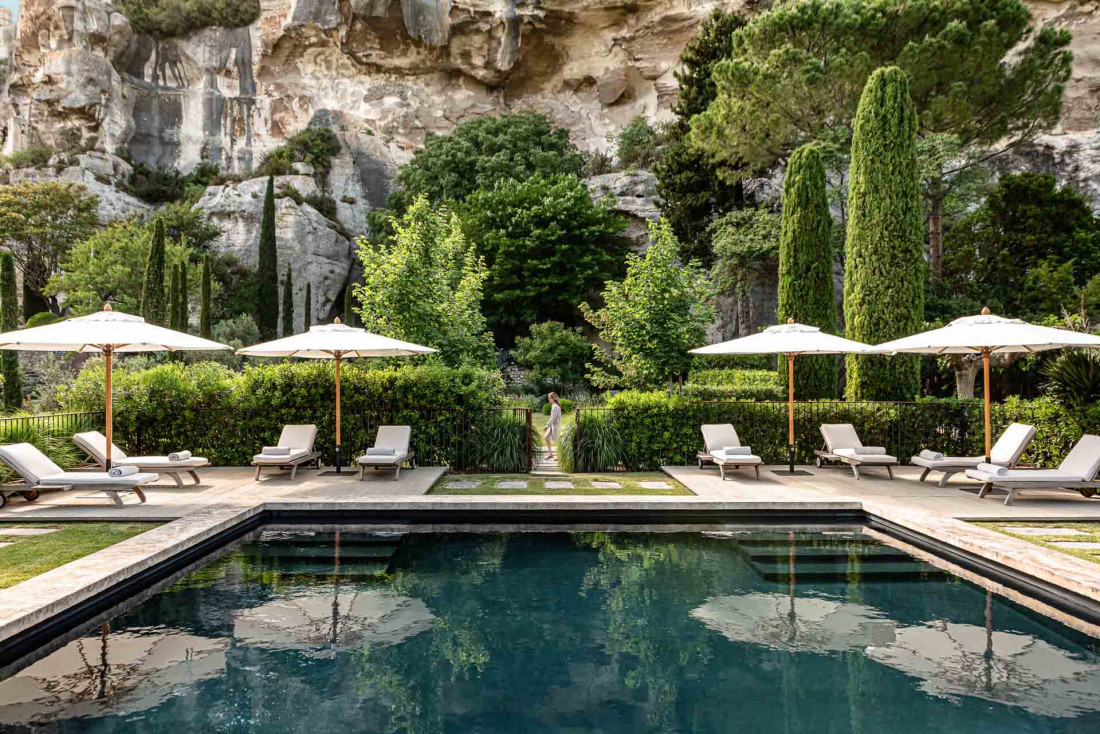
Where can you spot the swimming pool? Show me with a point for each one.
(737, 630)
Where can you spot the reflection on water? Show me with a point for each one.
(584, 632)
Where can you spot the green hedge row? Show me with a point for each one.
(226, 416)
(733, 384)
(642, 431)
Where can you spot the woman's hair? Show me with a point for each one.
(553, 396)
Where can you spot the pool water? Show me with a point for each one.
(736, 631)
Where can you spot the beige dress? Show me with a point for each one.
(554, 425)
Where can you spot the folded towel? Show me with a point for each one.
(871, 451)
(122, 471)
(179, 456)
(737, 451)
(276, 451)
(931, 455)
(381, 452)
(993, 469)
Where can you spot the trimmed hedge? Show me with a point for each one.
(642, 431)
(734, 384)
(227, 416)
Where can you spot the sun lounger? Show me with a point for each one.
(390, 451)
(1006, 452)
(1076, 473)
(40, 472)
(723, 449)
(842, 444)
(94, 444)
(295, 447)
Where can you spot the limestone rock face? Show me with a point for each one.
(316, 250)
(635, 197)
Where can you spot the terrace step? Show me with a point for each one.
(828, 572)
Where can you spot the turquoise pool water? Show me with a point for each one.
(719, 632)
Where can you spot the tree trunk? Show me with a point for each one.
(935, 240)
(966, 372)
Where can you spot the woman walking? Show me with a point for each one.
(553, 426)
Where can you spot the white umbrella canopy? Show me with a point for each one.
(335, 341)
(790, 339)
(107, 332)
(987, 334)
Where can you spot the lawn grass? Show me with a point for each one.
(28, 556)
(582, 484)
(1092, 528)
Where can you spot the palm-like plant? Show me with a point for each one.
(1073, 379)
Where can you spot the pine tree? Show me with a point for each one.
(806, 269)
(288, 304)
(267, 269)
(184, 306)
(9, 321)
(307, 307)
(154, 306)
(174, 299)
(885, 268)
(205, 327)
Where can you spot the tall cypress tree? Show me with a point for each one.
(307, 307)
(288, 304)
(184, 305)
(267, 269)
(885, 268)
(806, 269)
(9, 321)
(205, 327)
(154, 304)
(174, 299)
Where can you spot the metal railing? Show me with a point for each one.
(60, 424)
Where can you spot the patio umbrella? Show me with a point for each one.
(790, 339)
(108, 332)
(986, 334)
(335, 341)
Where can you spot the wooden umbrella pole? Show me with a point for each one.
(790, 412)
(988, 430)
(109, 353)
(338, 412)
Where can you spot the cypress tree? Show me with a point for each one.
(267, 269)
(174, 299)
(205, 328)
(885, 268)
(184, 306)
(9, 321)
(288, 304)
(806, 269)
(154, 307)
(307, 307)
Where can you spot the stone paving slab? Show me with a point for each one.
(607, 485)
(558, 485)
(1044, 531)
(512, 485)
(5, 545)
(462, 485)
(1076, 545)
(655, 485)
(11, 532)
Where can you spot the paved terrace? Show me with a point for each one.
(228, 496)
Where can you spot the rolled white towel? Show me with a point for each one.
(871, 450)
(122, 471)
(997, 471)
(179, 456)
(276, 451)
(931, 455)
(381, 452)
(737, 451)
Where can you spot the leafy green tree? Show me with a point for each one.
(744, 240)
(204, 302)
(556, 355)
(652, 318)
(184, 223)
(638, 144)
(9, 321)
(427, 286)
(174, 299)
(39, 222)
(806, 269)
(154, 305)
(267, 269)
(794, 73)
(307, 307)
(885, 268)
(316, 146)
(184, 301)
(689, 183)
(173, 18)
(288, 304)
(548, 248)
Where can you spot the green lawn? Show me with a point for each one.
(1092, 530)
(28, 556)
(582, 484)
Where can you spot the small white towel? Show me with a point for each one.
(871, 451)
(122, 471)
(998, 471)
(737, 451)
(179, 456)
(381, 452)
(931, 455)
(276, 451)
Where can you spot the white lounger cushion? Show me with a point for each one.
(948, 462)
(748, 459)
(390, 437)
(274, 460)
(298, 438)
(866, 458)
(717, 437)
(841, 439)
(39, 470)
(1005, 452)
(1080, 465)
(95, 444)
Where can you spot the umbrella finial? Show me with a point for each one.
(985, 310)
(790, 320)
(336, 320)
(107, 307)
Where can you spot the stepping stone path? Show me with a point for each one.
(654, 485)
(1076, 545)
(8, 532)
(512, 485)
(606, 485)
(462, 485)
(559, 485)
(1045, 531)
